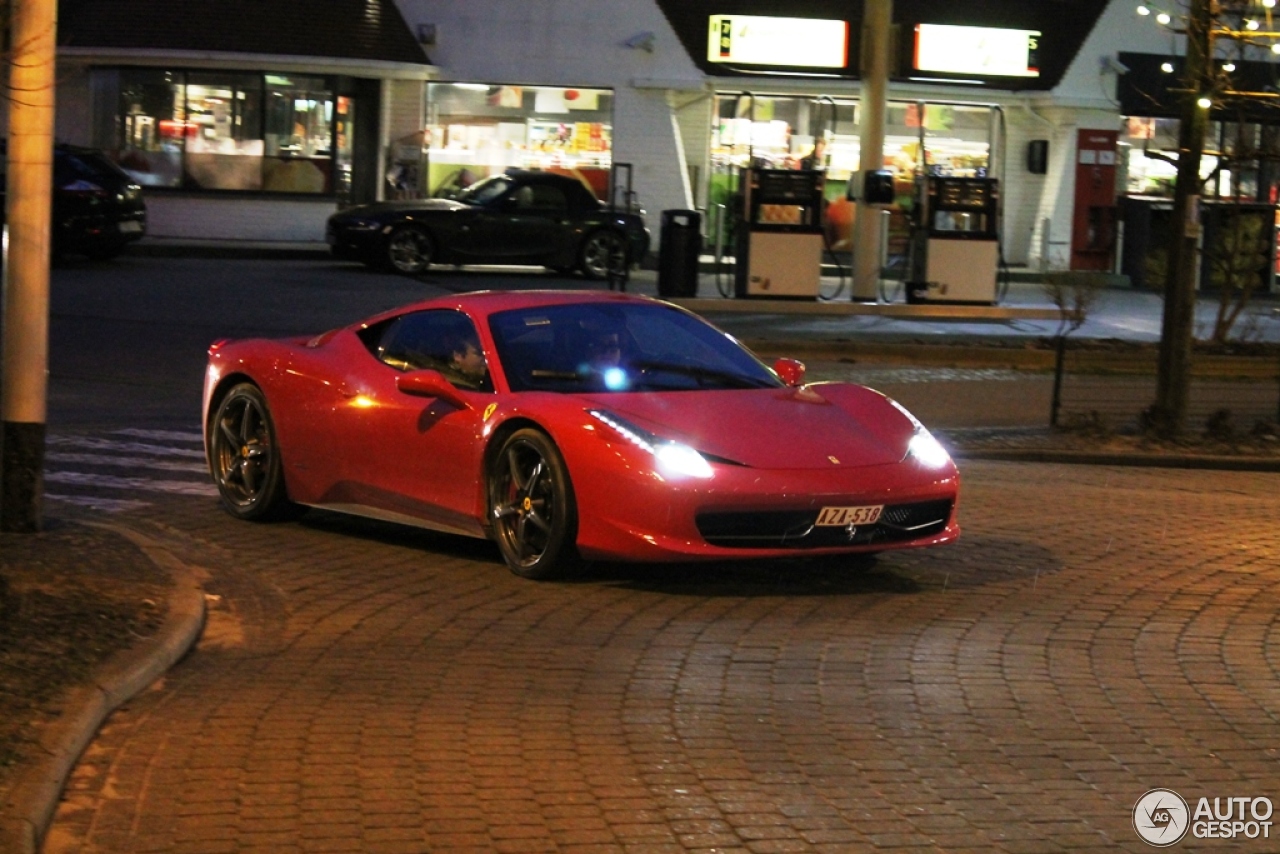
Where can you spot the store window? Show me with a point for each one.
(788, 132)
(298, 134)
(221, 130)
(1238, 162)
(223, 147)
(153, 130)
(475, 130)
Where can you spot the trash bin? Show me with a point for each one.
(679, 245)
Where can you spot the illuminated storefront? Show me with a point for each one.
(254, 125)
(1239, 169)
(226, 130)
(476, 129)
(792, 132)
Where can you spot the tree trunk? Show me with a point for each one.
(1173, 377)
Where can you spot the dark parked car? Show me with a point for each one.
(97, 207)
(518, 217)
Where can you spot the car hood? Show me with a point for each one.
(784, 428)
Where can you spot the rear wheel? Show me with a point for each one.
(602, 251)
(409, 250)
(246, 458)
(532, 507)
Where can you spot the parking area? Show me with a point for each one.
(1095, 634)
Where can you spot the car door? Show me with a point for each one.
(529, 222)
(409, 454)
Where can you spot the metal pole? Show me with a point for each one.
(24, 377)
(876, 23)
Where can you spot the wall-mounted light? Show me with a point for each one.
(1251, 24)
(1163, 19)
(1228, 67)
(1203, 103)
(1270, 4)
(1275, 47)
(1144, 9)
(1166, 67)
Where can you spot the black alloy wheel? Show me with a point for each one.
(531, 506)
(409, 250)
(246, 458)
(602, 252)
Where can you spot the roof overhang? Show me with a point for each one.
(249, 61)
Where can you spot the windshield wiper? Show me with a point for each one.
(700, 373)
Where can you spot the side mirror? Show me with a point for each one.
(790, 371)
(428, 383)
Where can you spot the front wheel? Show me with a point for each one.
(602, 252)
(246, 459)
(531, 506)
(409, 251)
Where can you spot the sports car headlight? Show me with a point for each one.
(671, 459)
(927, 450)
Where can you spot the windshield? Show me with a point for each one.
(484, 192)
(620, 347)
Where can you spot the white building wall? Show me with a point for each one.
(625, 45)
(73, 107)
(1084, 99)
(194, 217)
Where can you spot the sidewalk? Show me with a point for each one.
(102, 612)
(1024, 313)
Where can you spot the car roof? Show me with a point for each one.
(484, 303)
(532, 176)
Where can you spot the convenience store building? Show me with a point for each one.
(249, 120)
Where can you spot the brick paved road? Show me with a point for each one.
(1096, 633)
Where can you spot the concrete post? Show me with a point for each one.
(25, 366)
(877, 19)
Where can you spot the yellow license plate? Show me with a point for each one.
(866, 515)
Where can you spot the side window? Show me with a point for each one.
(522, 199)
(548, 199)
(441, 340)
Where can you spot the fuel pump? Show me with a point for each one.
(955, 241)
(780, 233)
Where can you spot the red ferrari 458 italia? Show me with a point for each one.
(568, 426)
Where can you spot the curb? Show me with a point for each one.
(37, 790)
(1101, 458)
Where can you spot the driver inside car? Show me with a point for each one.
(467, 366)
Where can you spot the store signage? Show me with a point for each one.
(759, 40)
(982, 51)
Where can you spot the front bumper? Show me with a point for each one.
(751, 513)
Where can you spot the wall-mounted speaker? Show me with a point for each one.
(1038, 156)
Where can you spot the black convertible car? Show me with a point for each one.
(518, 217)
